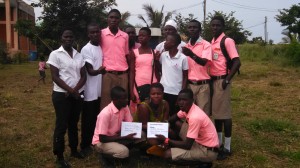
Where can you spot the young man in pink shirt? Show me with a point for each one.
(199, 139)
(107, 139)
(221, 107)
(199, 55)
(114, 43)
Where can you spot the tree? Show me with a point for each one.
(233, 28)
(291, 19)
(156, 18)
(75, 14)
(124, 20)
(182, 23)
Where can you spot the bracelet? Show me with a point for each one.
(166, 142)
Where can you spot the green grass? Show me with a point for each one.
(265, 105)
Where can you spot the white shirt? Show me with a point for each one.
(172, 71)
(93, 55)
(69, 68)
(161, 46)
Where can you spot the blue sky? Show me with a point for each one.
(252, 13)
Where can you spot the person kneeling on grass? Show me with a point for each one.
(107, 140)
(199, 139)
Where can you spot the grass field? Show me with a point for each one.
(266, 117)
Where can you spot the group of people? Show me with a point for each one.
(172, 83)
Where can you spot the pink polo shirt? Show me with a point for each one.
(218, 65)
(109, 121)
(115, 48)
(201, 127)
(202, 49)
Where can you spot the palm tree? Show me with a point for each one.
(124, 20)
(156, 18)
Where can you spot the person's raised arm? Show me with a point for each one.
(188, 52)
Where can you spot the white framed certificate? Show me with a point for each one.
(131, 127)
(154, 128)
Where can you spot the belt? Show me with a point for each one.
(200, 82)
(117, 72)
(218, 77)
(214, 149)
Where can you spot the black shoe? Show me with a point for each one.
(77, 155)
(62, 164)
(223, 154)
(205, 165)
(105, 162)
(86, 151)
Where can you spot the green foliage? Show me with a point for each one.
(74, 14)
(26, 28)
(156, 18)
(182, 23)
(3, 53)
(19, 58)
(264, 53)
(293, 52)
(290, 18)
(233, 28)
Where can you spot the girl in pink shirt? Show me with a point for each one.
(42, 67)
(141, 66)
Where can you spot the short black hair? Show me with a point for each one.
(220, 18)
(196, 21)
(115, 11)
(92, 24)
(66, 28)
(157, 85)
(177, 38)
(187, 91)
(116, 92)
(147, 29)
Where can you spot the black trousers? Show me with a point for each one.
(67, 110)
(91, 109)
(172, 100)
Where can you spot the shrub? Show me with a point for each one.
(19, 58)
(293, 52)
(3, 53)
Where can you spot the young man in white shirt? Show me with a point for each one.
(92, 55)
(174, 71)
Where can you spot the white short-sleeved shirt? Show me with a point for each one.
(93, 55)
(172, 71)
(161, 46)
(69, 68)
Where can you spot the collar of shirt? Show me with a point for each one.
(218, 39)
(198, 41)
(107, 32)
(177, 56)
(190, 112)
(61, 49)
(114, 108)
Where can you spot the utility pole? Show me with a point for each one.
(266, 32)
(204, 10)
